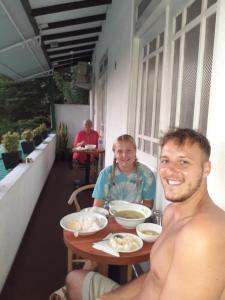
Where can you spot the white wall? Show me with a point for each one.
(19, 192)
(116, 38)
(72, 115)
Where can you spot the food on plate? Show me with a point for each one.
(150, 232)
(73, 224)
(123, 243)
(130, 214)
(85, 224)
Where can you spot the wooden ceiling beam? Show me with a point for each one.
(74, 49)
(70, 22)
(55, 36)
(70, 56)
(73, 42)
(67, 6)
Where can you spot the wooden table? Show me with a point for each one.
(82, 246)
(87, 164)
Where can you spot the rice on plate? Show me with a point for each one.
(84, 223)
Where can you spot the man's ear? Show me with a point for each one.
(206, 168)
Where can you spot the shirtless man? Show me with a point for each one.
(188, 259)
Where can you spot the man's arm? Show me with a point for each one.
(129, 291)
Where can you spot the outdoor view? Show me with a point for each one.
(26, 105)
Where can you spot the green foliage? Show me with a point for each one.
(10, 141)
(71, 93)
(27, 135)
(23, 105)
(61, 139)
(36, 131)
(43, 127)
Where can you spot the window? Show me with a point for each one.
(193, 43)
(150, 94)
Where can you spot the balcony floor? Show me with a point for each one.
(41, 262)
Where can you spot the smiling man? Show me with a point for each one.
(188, 259)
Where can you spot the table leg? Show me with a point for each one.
(87, 169)
(103, 269)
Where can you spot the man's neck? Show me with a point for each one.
(193, 205)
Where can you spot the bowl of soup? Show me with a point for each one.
(148, 232)
(129, 215)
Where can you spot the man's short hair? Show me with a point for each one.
(183, 135)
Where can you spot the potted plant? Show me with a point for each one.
(27, 144)
(37, 137)
(10, 142)
(61, 141)
(44, 130)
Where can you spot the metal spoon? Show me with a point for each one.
(117, 235)
(114, 212)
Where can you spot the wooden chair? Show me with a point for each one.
(80, 202)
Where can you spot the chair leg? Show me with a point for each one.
(69, 260)
(129, 273)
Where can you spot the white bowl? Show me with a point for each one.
(127, 222)
(146, 231)
(90, 147)
(96, 209)
(90, 222)
(117, 202)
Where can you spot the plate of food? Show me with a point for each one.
(96, 209)
(125, 242)
(84, 223)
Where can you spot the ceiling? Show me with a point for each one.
(38, 36)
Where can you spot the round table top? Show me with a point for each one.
(82, 246)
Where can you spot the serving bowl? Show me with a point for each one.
(96, 209)
(84, 223)
(90, 146)
(129, 215)
(148, 232)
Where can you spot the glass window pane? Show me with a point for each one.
(189, 77)
(211, 2)
(193, 10)
(207, 70)
(176, 64)
(149, 99)
(147, 145)
(156, 150)
(145, 50)
(178, 23)
(152, 46)
(139, 144)
(142, 96)
(158, 96)
(161, 39)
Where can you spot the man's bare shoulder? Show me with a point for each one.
(204, 235)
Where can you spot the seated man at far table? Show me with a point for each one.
(85, 136)
(187, 260)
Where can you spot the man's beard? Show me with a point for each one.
(189, 193)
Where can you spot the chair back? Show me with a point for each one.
(83, 201)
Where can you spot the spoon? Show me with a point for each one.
(117, 235)
(114, 212)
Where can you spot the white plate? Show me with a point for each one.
(90, 218)
(99, 210)
(80, 148)
(134, 237)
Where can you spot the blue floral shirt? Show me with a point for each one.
(135, 187)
